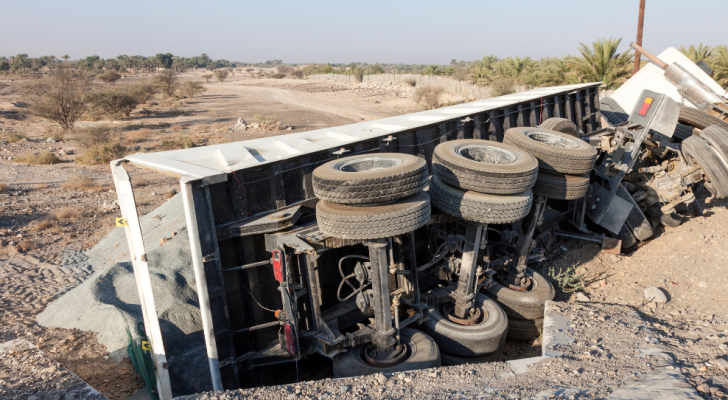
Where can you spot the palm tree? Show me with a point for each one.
(719, 63)
(602, 63)
(482, 70)
(65, 57)
(516, 68)
(431, 70)
(696, 54)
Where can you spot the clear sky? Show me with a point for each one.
(423, 31)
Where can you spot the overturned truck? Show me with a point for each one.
(404, 243)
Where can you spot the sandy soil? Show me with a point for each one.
(687, 262)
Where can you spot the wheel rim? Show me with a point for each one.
(485, 154)
(550, 139)
(368, 356)
(367, 164)
(476, 317)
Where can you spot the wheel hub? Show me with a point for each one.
(486, 154)
(368, 164)
(511, 281)
(371, 357)
(552, 140)
(472, 319)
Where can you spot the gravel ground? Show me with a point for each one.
(26, 373)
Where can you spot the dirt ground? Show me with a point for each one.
(687, 262)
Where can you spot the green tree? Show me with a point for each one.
(698, 53)
(603, 63)
(376, 69)
(65, 57)
(191, 88)
(516, 68)
(221, 75)
(164, 60)
(166, 82)
(431, 70)
(60, 97)
(719, 63)
(483, 70)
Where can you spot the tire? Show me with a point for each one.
(717, 138)
(612, 111)
(561, 186)
(699, 118)
(480, 339)
(484, 166)
(636, 220)
(449, 359)
(370, 178)
(683, 132)
(373, 222)
(524, 329)
(562, 125)
(423, 353)
(523, 304)
(672, 219)
(627, 237)
(555, 151)
(479, 207)
(697, 151)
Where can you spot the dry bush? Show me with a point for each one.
(166, 82)
(191, 88)
(102, 154)
(296, 73)
(3, 186)
(109, 77)
(502, 87)
(216, 126)
(60, 97)
(429, 96)
(207, 77)
(411, 81)
(24, 246)
(42, 226)
(170, 193)
(113, 102)
(249, 70)
(138, 135)
(278, 76)
(67, 213)
(180, 142)
(12, 137)
(221, 75)
(284, 69)
(82, 182)
(200, 128)
(358, 75)
(96, 135)
(42, 158)
(142, 91)
(267, 123)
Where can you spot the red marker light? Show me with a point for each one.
(290, 339)
(277, 270)
(646, 106)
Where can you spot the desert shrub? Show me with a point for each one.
(102, 154)
(170, 193)
(96, 135)
(12, 137)
(42, 158)
(109, 77)
(138, 135)
(60, 97)
(358, 75)
(221, 75)
(3, 186)
(166, 82)
(67, 213)
(297, 73)
(25, 246)
(502, 86)
(200, 128)
(249, 70)
(142, 91)
(284, 69)
(42, 226)
(81, 182)
(113, 102)
(429, 96)
(191, 88)
(181, 142)
(267, 123)
(411, 81)
(207, 77)
(278, 76)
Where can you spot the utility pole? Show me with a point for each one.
(640, 24)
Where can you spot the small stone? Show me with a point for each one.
(582, 297)
(720, 364)
(50, 140)
(703, 284)
(655, 294)
(703, 388)
(381, 379)
(344, 388)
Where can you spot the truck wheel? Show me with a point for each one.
(422, 352)
(562, 125)
(479, 207)
(555, 151)
(482, 338)
(612, 111)
(699, 118)
(717, 138)
(561, 186)
(524, 329)
(627, 237)
(373, 222)
(683, 132)
(636, 220)
(370, 178)
(484, 166)
(715, 172)
(527, 304)
(449, 359)
(672, 219)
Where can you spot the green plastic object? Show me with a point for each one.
(140, 354)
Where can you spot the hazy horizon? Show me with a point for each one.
(424, 32)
